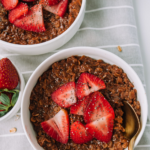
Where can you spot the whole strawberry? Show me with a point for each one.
(8, 75)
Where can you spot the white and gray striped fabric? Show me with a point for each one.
(107, 24)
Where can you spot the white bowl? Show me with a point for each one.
(88, 51)
(50, 45)
(17, 106)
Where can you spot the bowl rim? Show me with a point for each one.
(98, 50)
(52, 40)
(17, 106)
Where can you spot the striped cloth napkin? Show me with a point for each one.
(107, 24)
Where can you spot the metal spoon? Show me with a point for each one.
(132, 124)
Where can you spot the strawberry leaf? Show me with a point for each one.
(5, 99)
(10, 91)
(2, 113)
(14, 98)
(3, 107)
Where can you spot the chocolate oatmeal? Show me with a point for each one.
(54, 25)
(118, 89)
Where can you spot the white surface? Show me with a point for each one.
(142, 13)
(17, 106)
(50, 45)
(115, 26)
(95, 53)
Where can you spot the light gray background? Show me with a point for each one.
(115, 26)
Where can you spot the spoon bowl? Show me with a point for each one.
(132, 124)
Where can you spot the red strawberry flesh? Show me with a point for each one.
(28, 0)
(59, 9)
(33, 21)
(65, 95)
(78, 133)
(100, 117)
(98, 107)
(51, 2)
(88, 83)
(17, 12)
(80, 107)
(58, 126)
(8, 75)
(9, 4)
(101, 129)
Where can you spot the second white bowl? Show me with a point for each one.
(91, 52)
(50, 45)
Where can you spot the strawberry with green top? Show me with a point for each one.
(8, 75)
(9, 80)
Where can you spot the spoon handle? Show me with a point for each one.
(131, 144)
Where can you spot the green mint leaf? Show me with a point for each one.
(2, 113)
(14, 98)
(10, 91)
(3, 107)
(5, 99)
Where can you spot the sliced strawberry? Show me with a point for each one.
(51, 2)
(58, 126)
(101, 129)
(33, 21)
(98, 107)
(17, 12)
(78, 134)
(88, 83)
(80, 107)
(59, 9)
(65, 95)
(9, 4)
(28, 0)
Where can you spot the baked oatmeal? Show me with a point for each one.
(52, 25)
(118, 89)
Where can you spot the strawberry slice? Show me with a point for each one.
(59, 9)
(9, 4)
(51, 2)
(33, 21)
(78, 134)
(98, 107)
(58, 126)
(80, 107)
(88, 83)
(101, 129)
(100, 117)
(65, 95)
(28, 0)
(17, 12)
